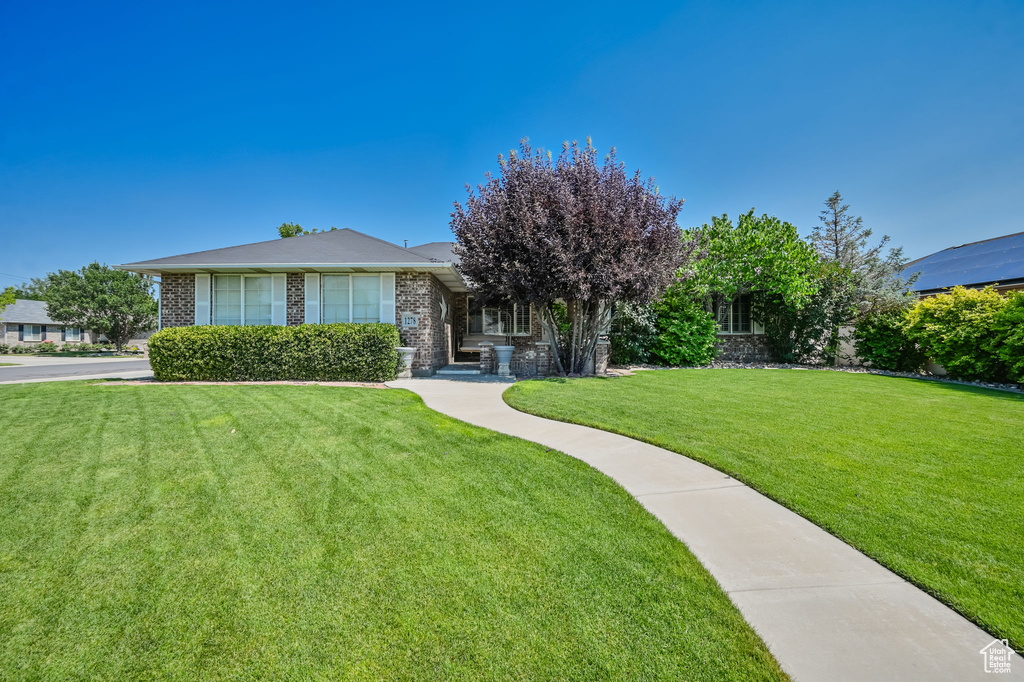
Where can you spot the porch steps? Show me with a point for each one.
(459, 369)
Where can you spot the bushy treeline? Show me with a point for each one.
(974, 334)
(801, 292)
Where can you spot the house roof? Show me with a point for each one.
(343, 250)
(440, 251)
(991, 261)
(24, 311)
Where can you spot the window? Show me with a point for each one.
(32, 332)
(73, 334)
(350, 298)
(242, 299)
(504, 320)
(736, 318)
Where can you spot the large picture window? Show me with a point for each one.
(32, 332)
(73, 334)
(350, 298)
(736, 317)
(242, 299)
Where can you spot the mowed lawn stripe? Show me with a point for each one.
(338, 532)
(925, 477)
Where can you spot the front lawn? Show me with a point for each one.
(306, 532)
(926, 477)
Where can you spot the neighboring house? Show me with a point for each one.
(25, 323)
(347, 276)
(997, 262)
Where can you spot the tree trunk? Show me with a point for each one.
(547, 320)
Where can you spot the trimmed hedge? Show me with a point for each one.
(309, 352)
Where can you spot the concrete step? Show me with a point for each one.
(463, 370)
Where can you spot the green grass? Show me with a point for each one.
(287, 532)
(8, 364)
(926, 477)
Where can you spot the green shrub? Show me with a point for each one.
(686, 331)
(634, 332)
(881, 340)
(309, 352)
(1008, 342)
(958, 331)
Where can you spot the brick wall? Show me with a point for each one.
(420, 293)
(295, 300)
(742, 348)
(178, 299)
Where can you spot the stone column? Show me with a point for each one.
(487, 357)
(601, 355)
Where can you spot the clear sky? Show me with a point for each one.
(139, 130)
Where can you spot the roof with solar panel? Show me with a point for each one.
(997, 262)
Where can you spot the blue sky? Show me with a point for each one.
(133, 131)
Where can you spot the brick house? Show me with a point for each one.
(27, 323)
(347, 276)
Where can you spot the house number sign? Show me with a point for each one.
(410, 320)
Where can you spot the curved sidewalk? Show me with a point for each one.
(826, 611)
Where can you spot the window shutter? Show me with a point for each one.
(387, 298)
(279, 293)
(312, 298)
(42, 332)
(202, 299)
(63, 333)
(21, 332)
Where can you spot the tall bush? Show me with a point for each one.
(1008, 341)
(633, 334)
(686, 331)
(310, 352)
(958, 329)
(881, 339)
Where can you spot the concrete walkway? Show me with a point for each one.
(826, 611)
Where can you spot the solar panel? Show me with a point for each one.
(993, 260)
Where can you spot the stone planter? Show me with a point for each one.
(504, 354)
(407, 355)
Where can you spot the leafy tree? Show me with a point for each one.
(7, 297)
(546, 230)
(757, 253)
(803, 333)
(34, 290)
(296, 230)
(115, 303)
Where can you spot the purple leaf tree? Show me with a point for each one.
(569, 232)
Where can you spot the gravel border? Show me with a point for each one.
(1012, 388)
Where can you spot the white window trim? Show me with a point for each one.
(351, 290)
(755, 328)
(78, 333)
(38, 336)
(515, 314)
(241, 314)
